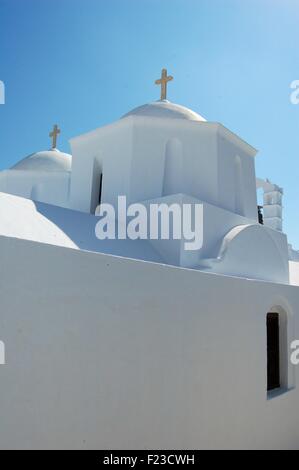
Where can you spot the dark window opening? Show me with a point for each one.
(273, 349)
(261, 215)
(100, 189)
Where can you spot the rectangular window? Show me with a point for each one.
(273, 348)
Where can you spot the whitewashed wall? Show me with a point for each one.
(49, 187)
(146, 158)
(104, 352)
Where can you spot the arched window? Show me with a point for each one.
(97, 186)
(278, 373)
(100, 189)
(273, 351)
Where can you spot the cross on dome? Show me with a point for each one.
(54, 134)
(163, 82)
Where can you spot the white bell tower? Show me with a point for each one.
(272, 204)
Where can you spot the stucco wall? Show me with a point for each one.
(145, 158)
(104, 352)
(49, 187)
(110, 147)
(236, 186)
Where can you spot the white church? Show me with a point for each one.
(140, 344)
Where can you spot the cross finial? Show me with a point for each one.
(54, 134)
(163, 82)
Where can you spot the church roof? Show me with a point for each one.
(44, 223)
(165, 109)
(49, 160)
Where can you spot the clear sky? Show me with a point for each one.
(84, 63)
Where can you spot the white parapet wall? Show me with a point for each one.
(104, 352)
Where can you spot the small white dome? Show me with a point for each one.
(50, 160)
(165, 109)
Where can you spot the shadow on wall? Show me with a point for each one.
(79, 227)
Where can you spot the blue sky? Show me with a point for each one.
(84, 63)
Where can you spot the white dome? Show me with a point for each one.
(165, 109)
(50, 160)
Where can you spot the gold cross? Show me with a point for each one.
(163, 82)
(54, 134)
